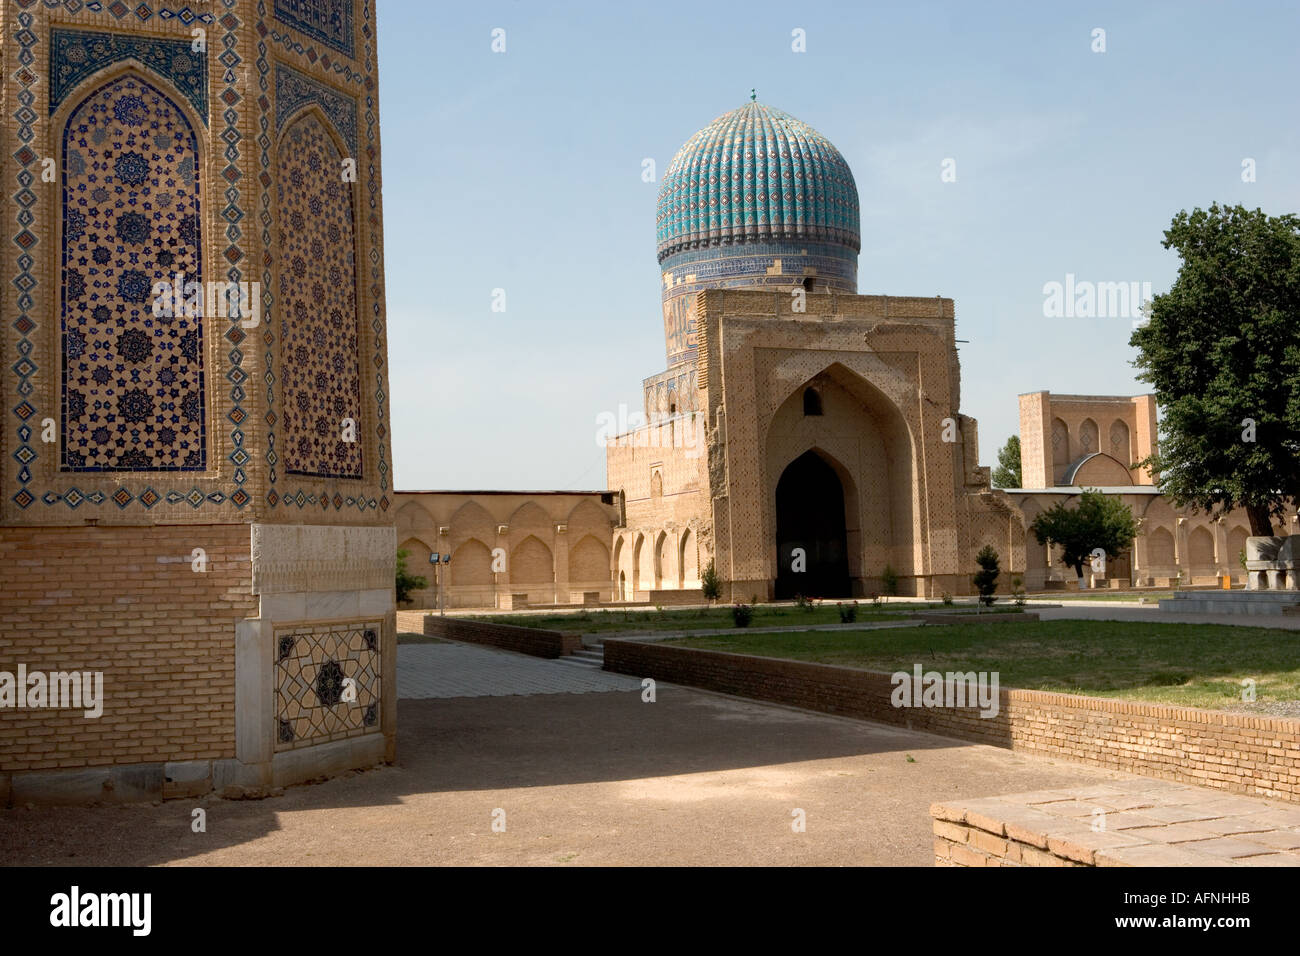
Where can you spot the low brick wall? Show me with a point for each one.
(999, 617)
(1236, 752)
(523, 640)
(684, 597)
(961, 844)
(1127, 822)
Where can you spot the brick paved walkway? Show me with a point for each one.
(433, 671)
(1133, 822)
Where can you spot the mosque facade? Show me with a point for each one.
(802, 438)
(805, 439)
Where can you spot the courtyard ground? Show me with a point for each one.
(584, 775)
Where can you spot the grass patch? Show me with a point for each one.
(1186, 665)
(611, 621)
(1130, 596)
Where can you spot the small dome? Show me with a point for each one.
(757, 174)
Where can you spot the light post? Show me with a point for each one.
(440, 563)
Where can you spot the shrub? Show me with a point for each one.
(742, 614)
(986, 580)
(875, 601)
(803, 602)
(1018, 591)
(889, 578)
(710, 586)
(406, 582)
(947, 598)
(848, 612)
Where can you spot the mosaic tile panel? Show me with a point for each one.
(329, 21)
(132, 385)
(327, 682)
(293, 91)
(76, 54)
(320, 371)
(757, 173)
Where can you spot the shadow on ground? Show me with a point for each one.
(598, 778)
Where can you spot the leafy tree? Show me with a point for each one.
(986, 579)
(1007, 473)
(407, 582)
(1098, 521)
(710, 585)
(1222, 355)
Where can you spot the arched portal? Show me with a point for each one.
(132, 343)
(810, 516)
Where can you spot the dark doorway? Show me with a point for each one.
(810, 515)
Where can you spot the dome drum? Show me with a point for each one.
(755, 199)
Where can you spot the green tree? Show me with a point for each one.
(710, 585)
(1098, 521)
(1007, 473)
(986, 579)
(406, 582)
(1222, 355)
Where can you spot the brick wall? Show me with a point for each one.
(987, 844)
(523, 640)
(125, 601)
(1236, 752)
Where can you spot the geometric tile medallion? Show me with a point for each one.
(327, 682)
(132, 374)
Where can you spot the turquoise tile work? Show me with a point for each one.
(757, 173)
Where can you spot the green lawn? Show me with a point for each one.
(1189, 665)
(698, 619)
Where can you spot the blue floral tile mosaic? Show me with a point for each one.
(320, 373)
(329, 21)
(76, 54)
(132, 381)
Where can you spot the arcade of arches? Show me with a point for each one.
(841, 482)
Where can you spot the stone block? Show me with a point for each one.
(54, 788)
(284, 607)
(327, 760)
(235, 773)
(331, 605)
(135, 783)
(376, 602)
(186, 778)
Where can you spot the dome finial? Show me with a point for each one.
(753, 95)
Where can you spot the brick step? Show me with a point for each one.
(574, 660)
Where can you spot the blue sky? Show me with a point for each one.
(522, 171)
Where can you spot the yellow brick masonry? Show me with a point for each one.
(1134, 822)
(125, 601)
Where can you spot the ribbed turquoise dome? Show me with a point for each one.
(757, 174)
